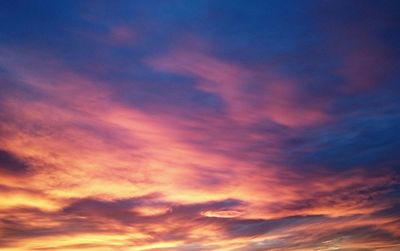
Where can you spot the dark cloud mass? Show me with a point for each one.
(199, 125)
(11, 163)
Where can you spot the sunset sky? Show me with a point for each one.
(195, 125)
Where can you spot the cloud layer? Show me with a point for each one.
(210, 125)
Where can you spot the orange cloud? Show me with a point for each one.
(105, 175)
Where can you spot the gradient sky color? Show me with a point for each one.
(200, 125)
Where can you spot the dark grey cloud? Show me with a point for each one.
(254, 227)
(12, 164)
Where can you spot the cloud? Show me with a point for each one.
(10, 163)
(214, 126)
(365, 56)
(276, 95)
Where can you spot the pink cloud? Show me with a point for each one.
(84, 146)
(277, 98)
(123, 35)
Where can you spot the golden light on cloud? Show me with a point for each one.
(222, 213)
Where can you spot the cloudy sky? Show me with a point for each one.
(194, 125)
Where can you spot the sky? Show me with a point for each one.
(200, 125)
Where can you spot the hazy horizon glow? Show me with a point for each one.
(199, 125)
